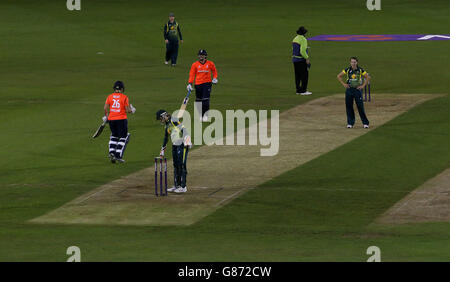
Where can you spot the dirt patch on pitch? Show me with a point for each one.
(218, 174)
(428, 203)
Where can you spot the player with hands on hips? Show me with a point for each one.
(356, 79)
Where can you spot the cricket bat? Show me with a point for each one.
(183, 106)
(99, 130)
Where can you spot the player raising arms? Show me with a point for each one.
(201, 72)
(116, 108)
(181, 143)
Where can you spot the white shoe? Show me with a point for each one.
(166, 62)
(366, 126)
(205, 118)
(349, 126)
(171, 189)
(306, 93)
(112, 157)
(180, 190)
(201, 119)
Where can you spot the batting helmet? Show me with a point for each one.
(118, 85)
(160, 113)
(202, 52)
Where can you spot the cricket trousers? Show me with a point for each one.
(119, 137)
(301, 76)
(350, 95)
(179, 156)
(203, 94)
(172, 52)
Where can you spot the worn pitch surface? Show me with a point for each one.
(217, 174)
(429, 202)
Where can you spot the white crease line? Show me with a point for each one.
(229, 197)
(93, 194)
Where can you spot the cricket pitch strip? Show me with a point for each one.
(218, 174)
(429, 202)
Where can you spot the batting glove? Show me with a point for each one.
(187, 141)
(189, 87)
(161, 154)
(214, 81)
(133, 109)
(105, 119)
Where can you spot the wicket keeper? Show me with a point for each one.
(201, 72)
(354, 86)
(116, 108)
(181, 143)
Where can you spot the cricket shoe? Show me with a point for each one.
(306, 93)
(166, 62)
(349, 126)
(180, 190)
(172, 189)
(120, 161)
(366, 126)
(112, 157)
(205, 118)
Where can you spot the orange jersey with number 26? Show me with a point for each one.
(117, 103)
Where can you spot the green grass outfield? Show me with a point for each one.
(54, 85)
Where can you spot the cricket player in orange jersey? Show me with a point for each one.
(116, 108)
(201, 72)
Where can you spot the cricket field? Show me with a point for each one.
(328, 195)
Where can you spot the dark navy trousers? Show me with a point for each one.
(356, 95)
(179, 156)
